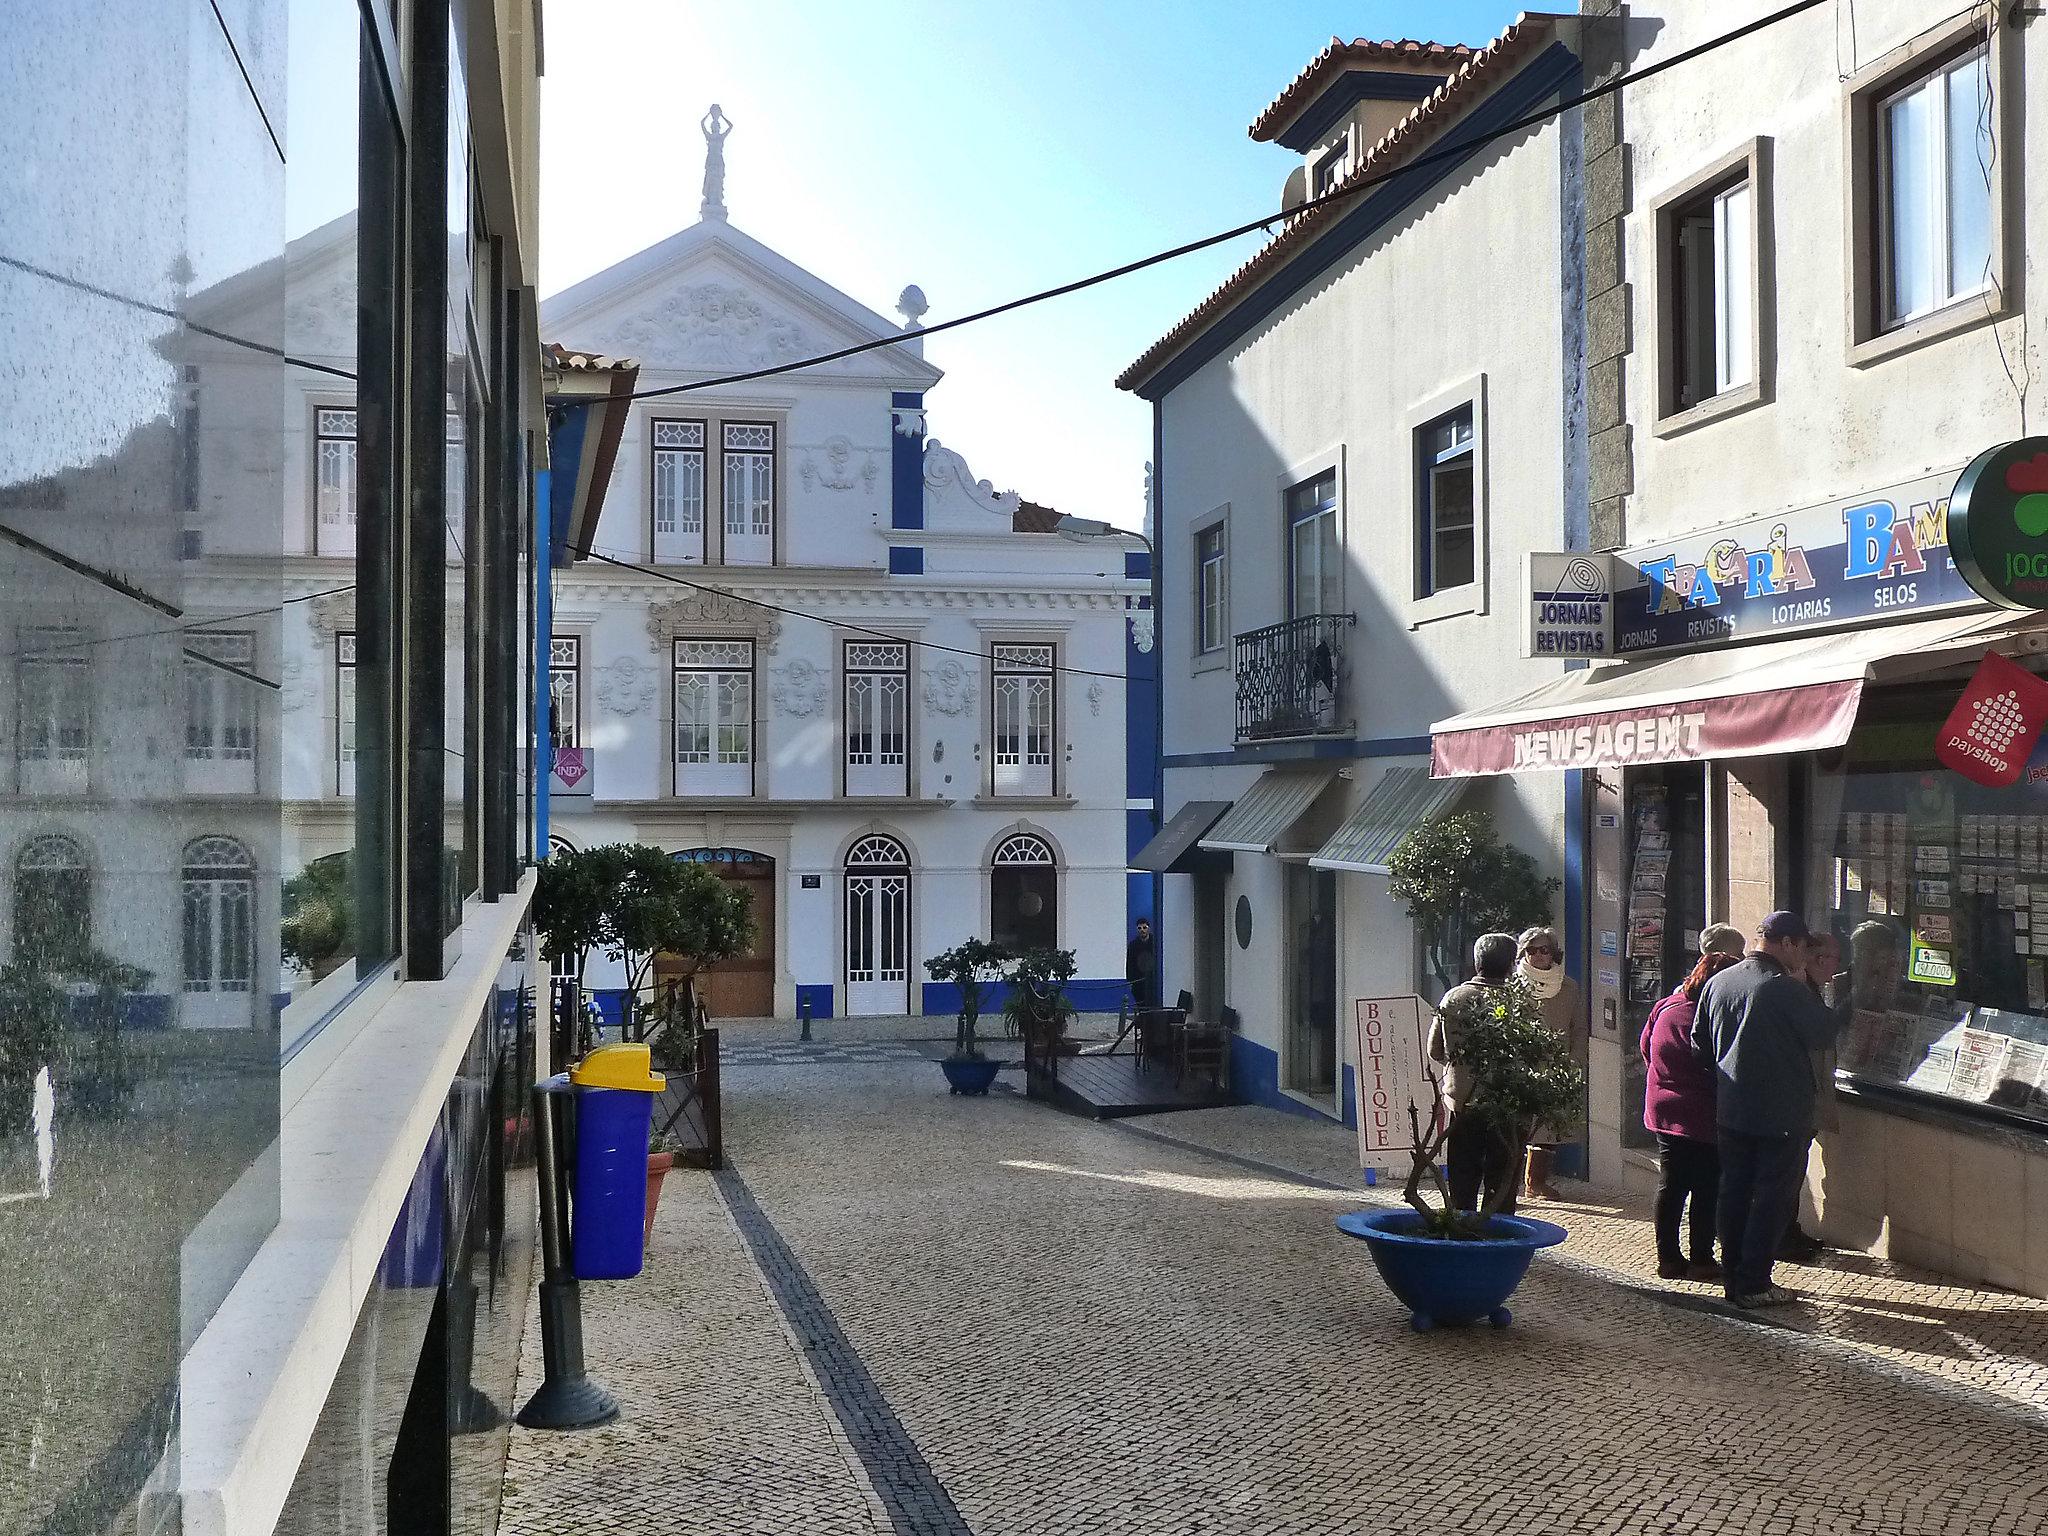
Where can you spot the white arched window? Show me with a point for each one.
(219, 879)
(52, 896)
(1024, 893)
(877, 926)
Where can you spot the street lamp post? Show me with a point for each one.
(1082, 530)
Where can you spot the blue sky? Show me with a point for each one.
(976, 149)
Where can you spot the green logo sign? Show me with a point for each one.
(1998, 524)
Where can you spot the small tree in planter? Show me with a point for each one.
(1522, 1075)
(1038, 995)
(33, 1008)
(102, 1071)
(318, 931)
(971, 965)
(1460, 880)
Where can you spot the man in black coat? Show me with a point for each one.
(1141, 967)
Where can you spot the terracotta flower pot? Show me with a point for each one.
(658, 1165)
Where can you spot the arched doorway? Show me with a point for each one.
(52, 898)
(744, 986)
(1024, 894)
(219, 880)
(877, 927)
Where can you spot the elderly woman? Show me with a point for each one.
(1539, 966)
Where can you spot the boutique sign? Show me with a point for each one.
(1882, 555)
(1998, 524)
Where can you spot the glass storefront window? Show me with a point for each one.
(1937, 891)
(1665, 839)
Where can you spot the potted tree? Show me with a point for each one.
(100, 1069)
(1453, 1266)
(318, 931)
(971, 965)
(1037, 1007)
(1460, 880)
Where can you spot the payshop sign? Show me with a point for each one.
(1882, 555)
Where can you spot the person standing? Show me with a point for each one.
(1539, 965)
(1480, 1160)
(1759, 1024)
(1141, 967)
(1678, 1109)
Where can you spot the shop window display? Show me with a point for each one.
(1937, 889)
(1666, 908)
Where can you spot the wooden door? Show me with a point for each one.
(744, 986)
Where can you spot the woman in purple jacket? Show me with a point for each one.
(1678, 1108)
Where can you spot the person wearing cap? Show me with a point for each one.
(1723, 939)
(1760, 1024)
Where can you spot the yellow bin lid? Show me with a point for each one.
(617, 1066)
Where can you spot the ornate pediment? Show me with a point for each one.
(710, 613)
(946, 472)
(709, 324)
(334, 613)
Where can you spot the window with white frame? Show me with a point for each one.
(678, 502)
(1447, 532)
(714, 717)
(747, 454)
(54, 679)
(1021, 703)
(220, 711)
(1315, 571)
(219, 921)
(345, 714)
(877, 717)
(334, 481)
(1328, 172)
(1212, 591)
(1935, 178)
(565, 691)
(1713, 296)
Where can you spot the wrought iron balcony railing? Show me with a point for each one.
(1290, 676)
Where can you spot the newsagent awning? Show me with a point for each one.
(1265, 812)
(1739, 701)
(1173, 849)
(1402, 800)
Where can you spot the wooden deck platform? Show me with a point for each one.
(1109, 1087)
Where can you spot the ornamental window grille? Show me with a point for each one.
(1023, 723)
(747, 454)
(219, 916)
(877, 718)
(334, 482)
(878, 920)
(54, 676)
(714, 717)
(52, 897)
(565, 690)
(678, 501)
(220, 707)
(345, 713)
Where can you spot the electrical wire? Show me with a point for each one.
(2021, 379)
(840, 624)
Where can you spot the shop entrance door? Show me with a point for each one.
(1212, 940)
(1312, 999)
(1665, 846)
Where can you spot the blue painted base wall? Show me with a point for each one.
(1255, 1078)
(1089, 994)
(818, 996)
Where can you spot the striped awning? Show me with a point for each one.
(1402, 800)
(1264, 813)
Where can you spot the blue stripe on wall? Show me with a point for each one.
(543, 631)
(565, 448)
(906, 463)
(906, 560)
(819, 996)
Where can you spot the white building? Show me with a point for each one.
(1359, 435)
(834, 662)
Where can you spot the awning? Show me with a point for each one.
(1740, 701)
(1402, 800)
(1264, 813)
(1172, 850)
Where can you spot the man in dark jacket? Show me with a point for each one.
(1141, 967)
(1759, 1023)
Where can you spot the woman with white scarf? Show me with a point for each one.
(1540, 967)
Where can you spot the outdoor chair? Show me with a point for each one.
(1206, 1048)
(1157, 1029)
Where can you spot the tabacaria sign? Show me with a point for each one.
(1389, 1076)
(1809, 718)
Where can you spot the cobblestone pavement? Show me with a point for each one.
(904, 1312)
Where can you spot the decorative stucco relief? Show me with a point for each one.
(625, 685)
(944, 469)
(799, 687)
(696, 613)
(708, 323)
(837, 465)
(949, 688)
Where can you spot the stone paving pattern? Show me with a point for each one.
(1155, 1328)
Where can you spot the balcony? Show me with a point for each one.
(1289, 677)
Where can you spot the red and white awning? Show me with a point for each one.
(1739, 701)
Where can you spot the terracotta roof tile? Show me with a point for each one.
(569, 358)
(1338, 57)
(1431, 115)
(1030, 517)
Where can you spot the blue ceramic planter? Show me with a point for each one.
(967, 1075)
(1441, 1280)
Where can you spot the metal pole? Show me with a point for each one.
(803, 1013)
(568, 1398)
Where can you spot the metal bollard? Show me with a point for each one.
(803, 1013)
(567, 1398)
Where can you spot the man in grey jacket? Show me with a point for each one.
(1759, 1023)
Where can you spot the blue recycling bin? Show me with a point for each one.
(615, 1092)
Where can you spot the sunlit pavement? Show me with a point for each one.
(905, 1312)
